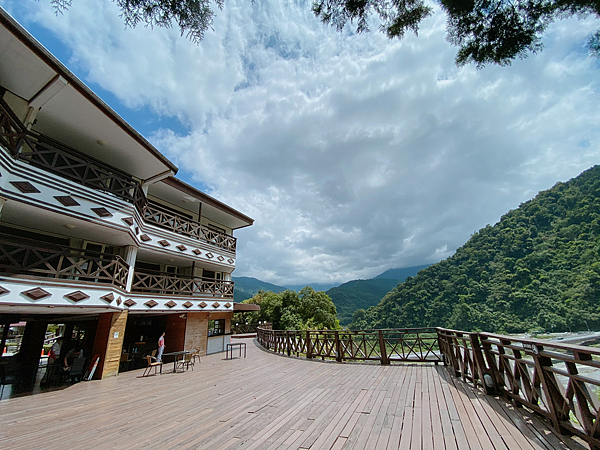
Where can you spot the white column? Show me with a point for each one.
(130, 255)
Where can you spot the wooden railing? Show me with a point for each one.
(553, 379)
(20, 256)
(176, 223)
(245, 328)
(561, 382)
(55, 157)
(170, 284)
(385, 346)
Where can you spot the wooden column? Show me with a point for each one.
(383, 350)
(175, 333)
(108, 343)
(29, 355)
(196, 332)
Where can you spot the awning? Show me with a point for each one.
(245, 307)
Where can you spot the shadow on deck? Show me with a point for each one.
(272, 402)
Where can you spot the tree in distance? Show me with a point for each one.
(486, 31)
(290, 310)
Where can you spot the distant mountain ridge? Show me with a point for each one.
(402, 274)
(537, 269)
(362, 294)
(246, 287)
(347, 297)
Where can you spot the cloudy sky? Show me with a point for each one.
(354, 154)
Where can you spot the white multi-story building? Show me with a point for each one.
(96, 232)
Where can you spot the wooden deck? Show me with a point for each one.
(268, 401)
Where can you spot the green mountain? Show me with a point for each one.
(246, 287)
(402, 274)
(362, 294)
(536, 269)
(356, 294)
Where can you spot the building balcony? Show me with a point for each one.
(170, 220)
(57, 158)
(33, 258)
(162, 283)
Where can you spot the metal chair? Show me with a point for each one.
(186, 362)
(196, 355)
(125, 363)
(155, 364)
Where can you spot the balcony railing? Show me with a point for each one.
(48, 154)
(20, 256)
(171, 221)
(170, 284)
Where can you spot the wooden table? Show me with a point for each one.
(240, 345)
(176, 355)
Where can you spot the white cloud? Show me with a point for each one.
(353, 153)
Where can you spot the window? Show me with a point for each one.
(216, 327)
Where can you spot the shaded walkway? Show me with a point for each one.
(272, 402)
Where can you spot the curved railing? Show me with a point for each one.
(561, 382)
(386, 346)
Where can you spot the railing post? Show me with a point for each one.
(308, 345)
(382, 350)
(557, 405)
(287, 343)
(480, 369)
(338, 348)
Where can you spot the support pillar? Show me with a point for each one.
(130, 256)
(175, 332)
(196, 332)
(29, 355)
(108, 343)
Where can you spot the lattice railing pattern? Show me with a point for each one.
(28, 257)
(170, 284)
(55, 157)
(414, 345)
(182, 225)
(555, 380)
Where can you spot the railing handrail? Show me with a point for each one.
(166, 283)
(181, 276)
(129, 190)
(30, 257)
(186, 226)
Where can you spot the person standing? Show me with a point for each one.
(54, 354)
(161, 347)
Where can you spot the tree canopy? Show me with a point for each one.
(290, 310)
(485, 31)
(193, 17)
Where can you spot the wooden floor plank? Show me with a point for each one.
(269, 402)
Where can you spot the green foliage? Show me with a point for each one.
(362, 294)
(536, 269)
(290, 310)
(193, 17)
(357, 294)
(486, 31)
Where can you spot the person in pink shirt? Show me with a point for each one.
(161, 347)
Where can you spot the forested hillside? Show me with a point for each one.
(359, 294)
(246, 287)
(536, 269)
